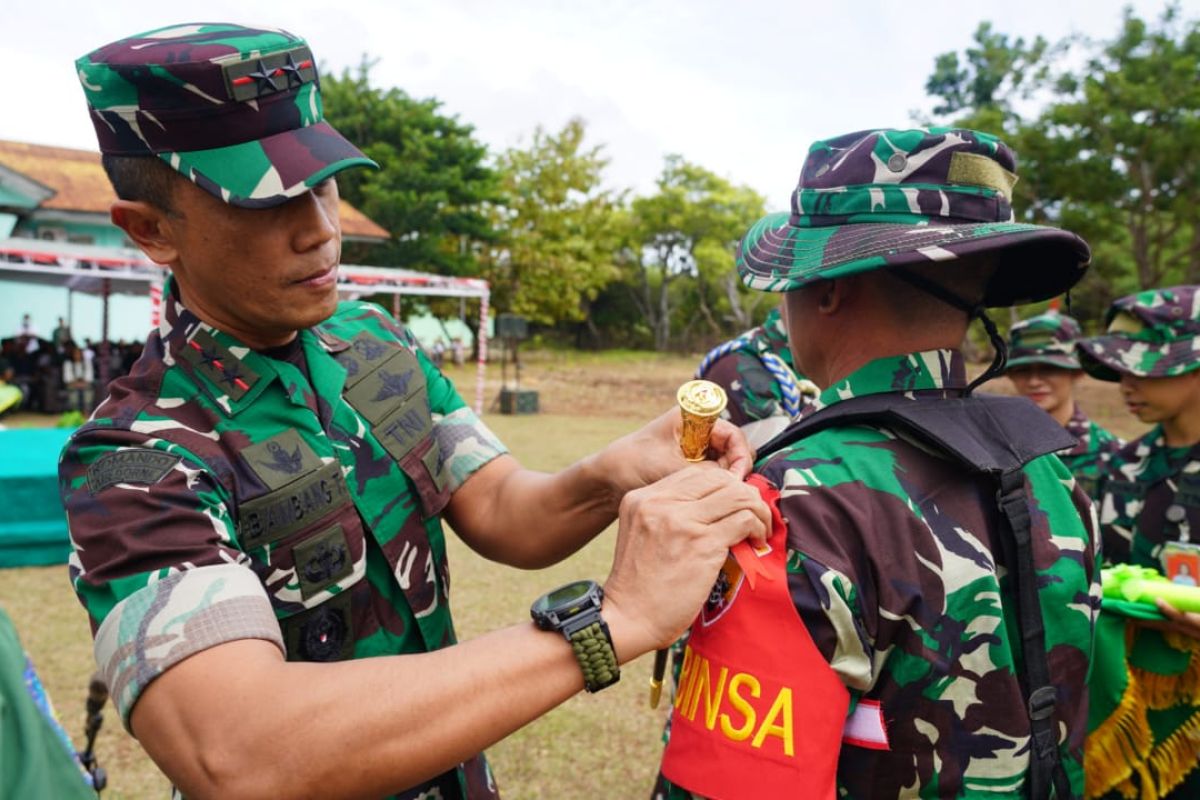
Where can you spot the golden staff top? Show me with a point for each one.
(700, 403)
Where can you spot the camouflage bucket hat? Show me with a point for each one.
(236, 110)
(1044, 339)
(1152, 334)
(877, 199)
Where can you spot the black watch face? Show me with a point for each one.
(564, 597)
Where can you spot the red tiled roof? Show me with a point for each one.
(80, 184)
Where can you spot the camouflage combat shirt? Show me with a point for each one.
(1149, 495)
(892, 562)
(221, 494)
(746, 367)
(1087, 459)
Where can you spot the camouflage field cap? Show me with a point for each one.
(1152, 334)
(1045, 339)
(881, 198)
(236, 110)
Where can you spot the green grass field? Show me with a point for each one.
(605, 745)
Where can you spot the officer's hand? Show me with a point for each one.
(1184, 623)
(673, 537)
(653, 452)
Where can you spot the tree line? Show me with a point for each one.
(1107, 135)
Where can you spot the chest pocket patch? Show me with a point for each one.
(324, 633)
(322, 561)
(281, 459)
(392, 396)
(380, 393)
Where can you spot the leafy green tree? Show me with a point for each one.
(1113, 153)
(1132, 117)
(679, 250)
(996, 70)
(434, 187)
(558, 226)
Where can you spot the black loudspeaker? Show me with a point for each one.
(511, 326)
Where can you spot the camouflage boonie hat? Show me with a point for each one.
(1152, 334)
(884, 198)
(236, 110)
(1044, 339)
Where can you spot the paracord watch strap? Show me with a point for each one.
(594, 651)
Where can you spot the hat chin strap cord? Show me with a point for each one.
(1000, 359)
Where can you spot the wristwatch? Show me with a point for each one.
(574, 611)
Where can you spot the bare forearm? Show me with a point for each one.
(364, 728)
(532, 519)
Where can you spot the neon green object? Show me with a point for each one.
(1145, 585)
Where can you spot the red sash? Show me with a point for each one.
(758, 713)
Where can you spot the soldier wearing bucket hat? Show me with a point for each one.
(857, 656)
(269, 483)
(1043, 366)
(1152, 347)
(1149, 507)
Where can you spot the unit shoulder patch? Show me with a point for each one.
(139, 465)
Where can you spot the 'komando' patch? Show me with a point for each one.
(135, 465)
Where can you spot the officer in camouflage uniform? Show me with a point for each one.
(270, 479)
(900, 574)
(1150, 493)
(758, 374)
(1043, 366)
(1149, 498)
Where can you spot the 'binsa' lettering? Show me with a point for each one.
(734, 704)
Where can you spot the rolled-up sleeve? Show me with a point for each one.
(154, 558)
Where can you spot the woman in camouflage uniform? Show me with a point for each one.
(1043, 367)
(1149, 503)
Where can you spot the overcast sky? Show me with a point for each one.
(741, 88)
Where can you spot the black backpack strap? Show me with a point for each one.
(996, 436)
(1045, 768)
(986, 433)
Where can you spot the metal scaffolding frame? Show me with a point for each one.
(105, 271)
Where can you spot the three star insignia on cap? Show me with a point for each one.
(260, 76)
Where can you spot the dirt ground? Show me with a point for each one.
(633, 385)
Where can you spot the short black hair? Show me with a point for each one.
(145, 179)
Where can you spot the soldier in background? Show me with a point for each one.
(920, 624)
(1149, 507)
(758, 374)
(1043, 366)
(270, 480)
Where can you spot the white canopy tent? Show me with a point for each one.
(105, 271)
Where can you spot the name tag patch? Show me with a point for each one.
(1189, 491)
(1126, 490)
(135, 465)
(280, 513)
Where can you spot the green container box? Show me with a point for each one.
(518, 401)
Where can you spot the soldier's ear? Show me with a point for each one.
(832, 295)
(148, 227)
